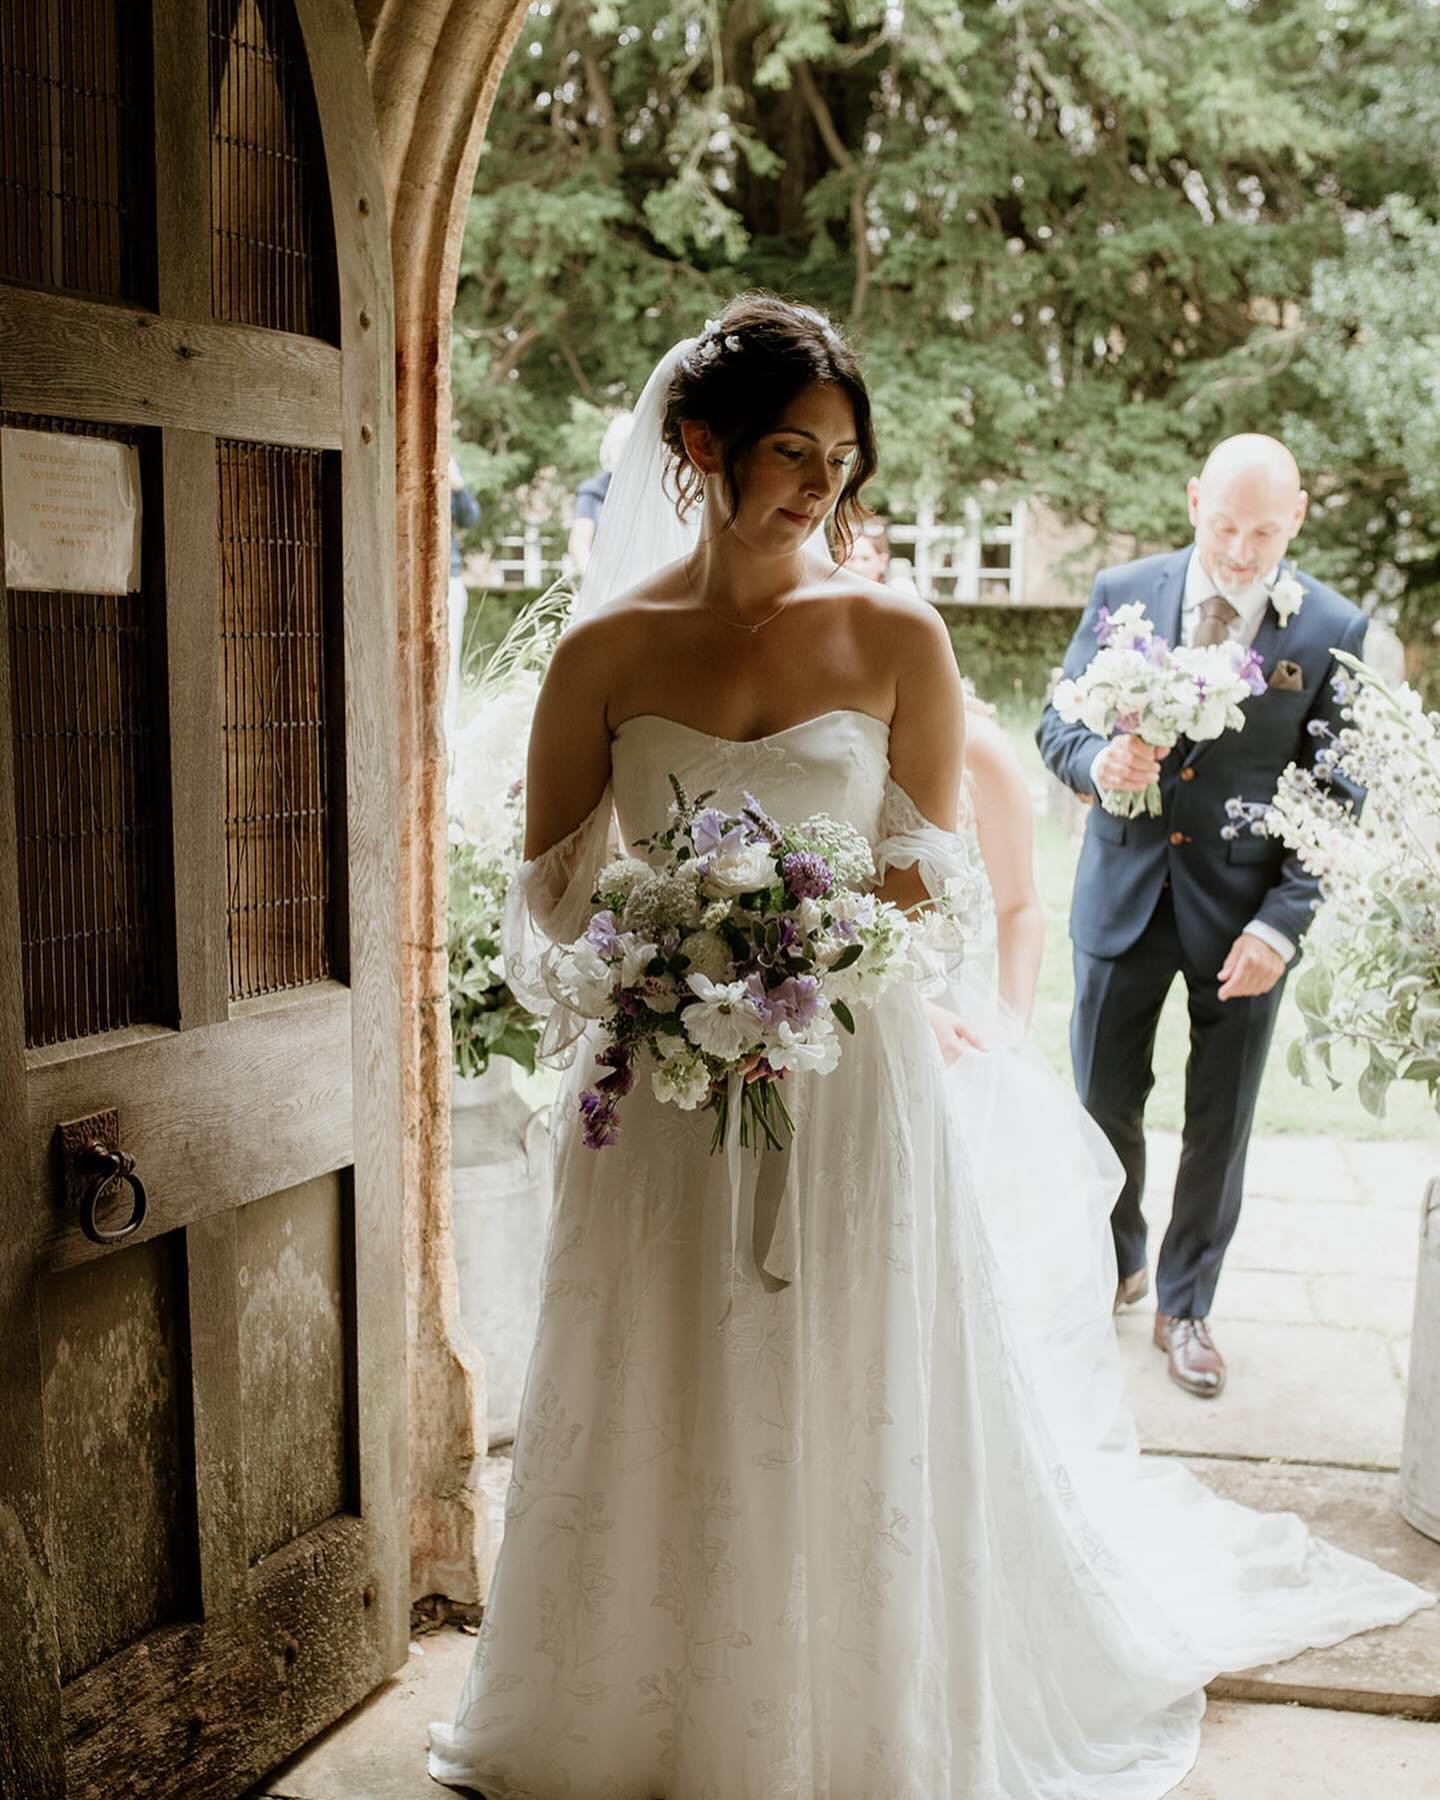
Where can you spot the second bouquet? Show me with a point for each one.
(1139, 683)
(728, 959)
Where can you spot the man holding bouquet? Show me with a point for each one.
(1179, 891)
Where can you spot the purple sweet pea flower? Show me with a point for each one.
(1127, 722)
(1252, 672)
(599, 1127)
(708, 833)
(1102, 623)
(604, 934)
(807, 875)
(756, 992)
(796, 1001)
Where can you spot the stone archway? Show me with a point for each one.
(434, 68)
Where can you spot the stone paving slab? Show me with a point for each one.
(377, 1751)
(1395, 1669)
(1351, 1302)
(1321, 1237)
(1303, 1393)
(1389, 1173)
(1247, 1751)
(1252, 1752)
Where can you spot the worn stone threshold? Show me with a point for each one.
(1394, 1670)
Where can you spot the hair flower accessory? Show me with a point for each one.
(1286, 596)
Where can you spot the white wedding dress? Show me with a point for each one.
(843, 1504)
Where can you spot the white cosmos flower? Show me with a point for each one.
(725, 1021)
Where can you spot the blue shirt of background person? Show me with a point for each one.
(590, 495)
(464, 513)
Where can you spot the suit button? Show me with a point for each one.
(1187, 774)
(1178, 837)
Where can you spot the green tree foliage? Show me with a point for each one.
(1076, 241)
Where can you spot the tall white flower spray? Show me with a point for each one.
(1374, 977)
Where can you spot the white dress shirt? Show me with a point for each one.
(1249, 611)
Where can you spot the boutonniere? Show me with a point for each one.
(1286, 596)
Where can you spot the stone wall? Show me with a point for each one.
(434, 67)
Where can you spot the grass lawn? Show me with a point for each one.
(1285, 1103)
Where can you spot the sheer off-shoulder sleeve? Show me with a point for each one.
(952, 877)
(548, 906)
(944, 859)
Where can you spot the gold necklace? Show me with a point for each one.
(735, 624)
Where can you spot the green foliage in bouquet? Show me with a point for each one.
(485, 1018)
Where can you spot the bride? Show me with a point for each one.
(823, 1506)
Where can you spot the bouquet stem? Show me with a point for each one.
(1134, 803)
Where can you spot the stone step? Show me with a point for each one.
(1393, 1670)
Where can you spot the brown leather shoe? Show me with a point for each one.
(1132, 1288)
(1194, 1362)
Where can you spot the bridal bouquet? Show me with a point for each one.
(735, 953)
(1138, 683)
(1374, 978)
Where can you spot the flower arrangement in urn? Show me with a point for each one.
(486, 829)
(1374, 977)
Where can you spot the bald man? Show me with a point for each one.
(1160, 897)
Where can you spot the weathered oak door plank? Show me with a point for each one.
(268, 1102)
(209, 1708)
(86, 360)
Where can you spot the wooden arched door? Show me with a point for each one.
(202, 1530)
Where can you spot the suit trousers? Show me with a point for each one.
(1112, 1042)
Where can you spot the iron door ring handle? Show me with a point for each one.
(108, 1166)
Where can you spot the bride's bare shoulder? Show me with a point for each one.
(882, 614)
(617, 619)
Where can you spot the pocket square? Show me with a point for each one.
(1287, 677)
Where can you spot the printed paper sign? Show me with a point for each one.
(72, 513)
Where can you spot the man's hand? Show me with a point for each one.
(1250, 968)
(953, 1038)
(1128, 764)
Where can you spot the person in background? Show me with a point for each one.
(1167, 896)
(464, 513)
(590, 495)
(870, 556)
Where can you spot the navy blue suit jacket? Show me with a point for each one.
(1218, 885)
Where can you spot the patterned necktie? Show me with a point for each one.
(1216, 614)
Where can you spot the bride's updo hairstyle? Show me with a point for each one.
(747, 368)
